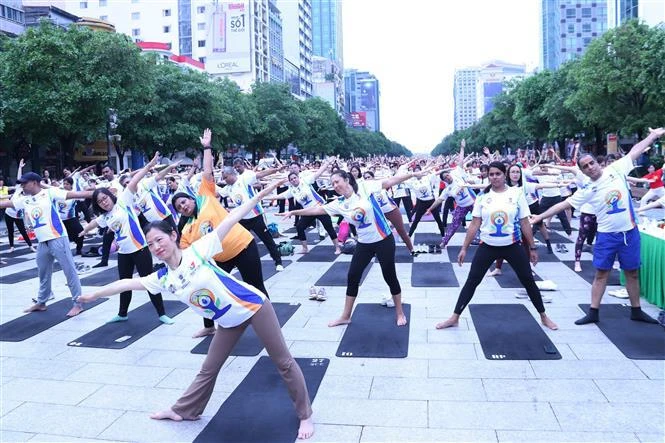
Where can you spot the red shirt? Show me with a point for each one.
(658, 175)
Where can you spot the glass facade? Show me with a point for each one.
(327, 29)
(361, 95)
(185, 27)
(275, 43)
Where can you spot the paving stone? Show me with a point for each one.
(587, 369)
(573, 437)
(628, 391)
(399, 388)
(542, 390)
(43, 369)
(620, 417)
(345, 386)
(345, 411)
(48, 391)
(336, 433)
(491, 415)
(14, 436)
(653, 369)
(137, 426)
(120, 374)
(393, 434)
(377, 367)
(480, 369)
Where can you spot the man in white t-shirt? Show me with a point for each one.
(608, 194)
(39, 207)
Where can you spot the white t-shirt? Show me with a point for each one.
(500, 214)
(203, 286)
(609, 198)
(13, 212)
(42, 213)
(375, 188)
(124, 223)
(149, 202)
(243, 190)
(66, 209)
(422, 187)
(400, 190)
(364, 213)
(581, 180)
(530, 192)
(549, 192)
(464, 197)
(304, 193)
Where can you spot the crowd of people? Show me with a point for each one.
(184, 219)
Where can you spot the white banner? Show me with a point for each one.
(230, 39)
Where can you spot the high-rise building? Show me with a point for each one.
(475, 89)
(361, 101)
(568, 26)
(651, 12)
(464, 92)
(11, 17)
(275, 43)
(327, 30)
(297, 38)
(327, 83)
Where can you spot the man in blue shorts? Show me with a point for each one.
(618, 235)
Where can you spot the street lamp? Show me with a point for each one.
(111, 126)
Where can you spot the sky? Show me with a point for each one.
(413, 48)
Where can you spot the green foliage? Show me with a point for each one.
(323, 134)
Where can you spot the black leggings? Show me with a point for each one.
(10, 222)
(306, 220)
(408, 205)
(248, 263)
(421, 207)
(548, 202)
(588, 228)
(485, 255)
(258, 226)
(73, 227)
(448, 206)
(281, 202)
(142, 260)
(363, 254)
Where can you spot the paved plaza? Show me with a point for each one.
(445, 390)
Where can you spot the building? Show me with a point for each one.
(651, 12)
(36, 14)
(297, 40)
(275, 43)
(361, 100)
(327, 82)
(12, 18)
(464, 93)
(327, 45)
(568, 26)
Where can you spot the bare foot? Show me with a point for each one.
(37, 307)
(401, 320)
(338, 251)
(306, 429)
(549, 323)
(340, 321)
(452, 321)
(303, 251)
(578, 267)
(76, 310)
(204, 332)
(166, 415)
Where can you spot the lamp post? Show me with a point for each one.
(111, 126)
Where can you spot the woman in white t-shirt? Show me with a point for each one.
(422, 187)
(375, 238)
(502, 215)
(192, 276)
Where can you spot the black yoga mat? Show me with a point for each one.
(100, 278)
(402, 255)
(428, 238)
(19, 250)
(453, 252)
(27, 274)
(508, 278)
(433, 275)
(249, 344)
(267, 269)
(9, 261)
(635, 339)
(34, 323)
(556, 238)
(336, 274)
(323, 253)
(263, 250)
(373, 333)
(260, 409)
(589, 272)
(510, 332)
(119, 335)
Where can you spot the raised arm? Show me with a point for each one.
(133, 183)
(19, 171)
(641, 147)
(164, 172)
(208, 160)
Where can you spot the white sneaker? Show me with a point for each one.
(619, 293)
(387, 301)
(546, 299)
(279, 268)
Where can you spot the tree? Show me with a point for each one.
(323, 133)
(530, 95)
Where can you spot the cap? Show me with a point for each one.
(30, 176)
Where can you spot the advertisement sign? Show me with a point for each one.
(358, 119)
(368, 94)
(230, 38)
(93, 152)
(612, 144)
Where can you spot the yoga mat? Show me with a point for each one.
(101, 278)
(373, 333)
(262, 249)
(402, 255)
(249, 344)
(508, 279)
(510, 332)
(555, 238)
(19, 250)
(119, 335)
(9, 261)
(26, 274)
(546, 257)
(428, 238)
(453, 252)
(260, 409)
(589, 272)
(323, 253)
(336, 274)
(635, 339)
(34, 323)
(433, 275)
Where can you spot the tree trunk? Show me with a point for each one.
(67, 143)
(598, 136)
(121, 156)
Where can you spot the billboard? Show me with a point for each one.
(230, 38)
(358, 119)
(368, 94)
(490, 91)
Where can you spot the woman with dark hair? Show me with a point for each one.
(200, 214)
(502, 215)
(117, 213)
(374, 239)
(192, 276)
(422, 187)
(67, 211)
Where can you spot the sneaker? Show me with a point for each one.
(619, 293)
(313, 292)
(33, 249)
(279, 268)
(83, 269)
(388, 301)
(558, 247)
(546, 299)
(321, 294)
(564, 248)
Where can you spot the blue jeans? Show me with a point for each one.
(57, 249)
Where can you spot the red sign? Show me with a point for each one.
(358, 119)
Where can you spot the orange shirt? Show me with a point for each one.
(210, 215)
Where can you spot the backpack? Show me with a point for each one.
(285, 248)
(273, 230)
(343, 233)
(349, 246)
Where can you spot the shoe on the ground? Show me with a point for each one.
(279, 268)
(521, 295)
(475, 242)
(33, 249)
(313, 292)
(619, 293)
(546, 298)
(50, 297)
(587, 248)
(321, 294)
(564, 248)
(388, 301)
(83, 269)
(90, 253)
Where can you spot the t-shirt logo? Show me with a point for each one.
(499, 219)
(358, 215)
(117, 228)
(205, 299)
(612, 200)
(237, 199)
(36, 215)
(61, 207)
(205, 228)
(143, 205)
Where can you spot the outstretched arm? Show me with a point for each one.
(127, 284)
(641, 147)
(133, 183)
